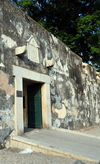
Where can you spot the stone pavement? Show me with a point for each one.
(74, 144)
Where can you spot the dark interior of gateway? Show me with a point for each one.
(32, 110)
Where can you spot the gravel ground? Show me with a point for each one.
(12, 156)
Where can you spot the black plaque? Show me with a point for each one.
(19, 94)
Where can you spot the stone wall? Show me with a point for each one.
(75, 86)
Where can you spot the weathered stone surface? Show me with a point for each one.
(75, 86)
(4, 133)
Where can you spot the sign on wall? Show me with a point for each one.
(32, 49)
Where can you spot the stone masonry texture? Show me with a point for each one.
(75, 86)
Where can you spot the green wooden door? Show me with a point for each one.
(34, 106)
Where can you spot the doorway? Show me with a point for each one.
(34, 106)
(28, 77)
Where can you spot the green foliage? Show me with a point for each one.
(89, 29)
(74, 22)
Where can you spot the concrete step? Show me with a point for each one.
(33, 141)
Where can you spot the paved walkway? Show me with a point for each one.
(12, 156)
(94, 130)
(73, 142)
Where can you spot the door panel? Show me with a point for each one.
(34, 106)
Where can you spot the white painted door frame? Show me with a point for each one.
(20, 74)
